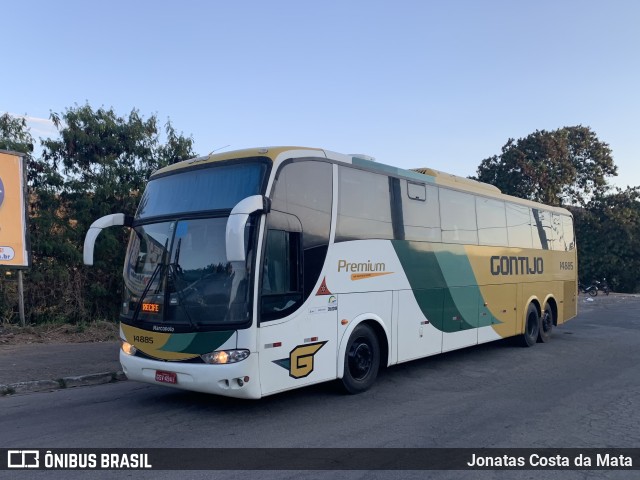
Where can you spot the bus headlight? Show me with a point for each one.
(222, 357)
(128, 348)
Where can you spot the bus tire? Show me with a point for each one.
(361, 360)
(546, 324)
(531, 327)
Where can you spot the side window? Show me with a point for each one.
(305, 190)
(458, 214)
(557, 232)
(569, 238)
(416, 191)
(492, 222)
(421, 212)
(541, 229)
(519, 226)
(281, 276)
(364, 206)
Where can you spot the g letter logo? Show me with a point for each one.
(300, 361)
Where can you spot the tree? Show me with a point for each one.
(15, 135)
(567, 166)
(608, 235)
(98, 165)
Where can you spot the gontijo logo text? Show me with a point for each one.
(516, 265)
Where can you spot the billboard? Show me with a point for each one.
(14, 234)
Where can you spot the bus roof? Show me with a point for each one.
(427, 175)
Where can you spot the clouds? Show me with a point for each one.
(39, 127)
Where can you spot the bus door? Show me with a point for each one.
(297, 335)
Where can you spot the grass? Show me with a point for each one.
(96, 331)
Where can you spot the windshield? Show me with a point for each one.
(177, 273)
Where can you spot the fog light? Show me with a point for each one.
(223, 357)
(128, 348)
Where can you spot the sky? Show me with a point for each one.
(426, 83)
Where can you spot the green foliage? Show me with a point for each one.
(608, 235)
(15, 135)
(567, 166)
(99, 165)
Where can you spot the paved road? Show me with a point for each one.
(580, 390)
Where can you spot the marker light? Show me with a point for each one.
(222, 357)
(128, 348)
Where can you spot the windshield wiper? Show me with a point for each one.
(173, 272)
(158, 267)
(136, 312)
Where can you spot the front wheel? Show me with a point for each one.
(531, 327)
(593, 292)
(361, 361)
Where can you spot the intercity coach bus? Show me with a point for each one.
(254, 272)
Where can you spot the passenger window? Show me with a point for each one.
(421, 215)
(541, 229)
(305, 189)
(458, 215)
(519, 226)
(567, 229)
(556, 232)
(364, 206)
(492, 222)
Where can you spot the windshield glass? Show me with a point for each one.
(214, 187)
(177, 273)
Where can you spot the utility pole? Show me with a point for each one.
(21, 298)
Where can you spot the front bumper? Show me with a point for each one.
(228, 380)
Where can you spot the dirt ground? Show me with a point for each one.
(98, 331)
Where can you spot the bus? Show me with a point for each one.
(253, 272)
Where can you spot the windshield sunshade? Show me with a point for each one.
(218, 187)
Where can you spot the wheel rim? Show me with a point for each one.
(360, 359)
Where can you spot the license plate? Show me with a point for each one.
(166, 377)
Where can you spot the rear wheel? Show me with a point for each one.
(546, 324)
(361, 361)
(531, 327)
(593, 292)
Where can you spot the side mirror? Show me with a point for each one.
(95, 229)
(234, 234)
